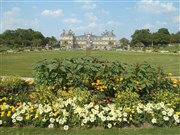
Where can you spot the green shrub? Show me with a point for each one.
(12, 85)
(103, 77)
(167, 97)
(43, 94)
(126, 98)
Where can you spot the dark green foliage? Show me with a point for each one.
(22, 38)
(102, 76)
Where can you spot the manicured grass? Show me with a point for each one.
(22, 63)
(125, 131)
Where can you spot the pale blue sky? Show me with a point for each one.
(124, 17)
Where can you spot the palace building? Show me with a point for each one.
(68, 40)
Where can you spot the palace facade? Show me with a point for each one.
(68, 40)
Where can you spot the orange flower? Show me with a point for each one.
(31, 82)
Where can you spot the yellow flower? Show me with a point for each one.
(121, 79)
(132, 111)
(31, 82)
(36, 116)
(136, 81)
(114, 88)
(2, 114)
(130, 118)
(178, 113)
(27, 117)
(169, 74)
(5, 98)
(99, 82)
(85, 81)
(30, 95)
(70, 91)
(152, 114)
(175, 85)
(2, 107)
(55, 114)
(175, 81)
(12, 108)
(139, 88)
(9, 113)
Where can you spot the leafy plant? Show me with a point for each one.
(102, 77)
(126, 98)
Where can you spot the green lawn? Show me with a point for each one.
(125, 131)
(22, 63)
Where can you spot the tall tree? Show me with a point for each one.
(141, 36)
(124, 42)
(161, 37)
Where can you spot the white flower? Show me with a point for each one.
(103, 118)
(96, 107)
(170, 113)
(0, 122)
(154, 120)
(124, 119)
(164, 112)
(109, 125)
(13, 120)
(177, 120)
(51, 125)
(84, 121)
(6, 107)
(119, 119)
(92, 119)
(125, 114)
(175, 116)
(162, 105)
(66, 127)
(23, 111)
(19, 118)
(139, 111)
(43, 120)
(52, 120)
(166, 118)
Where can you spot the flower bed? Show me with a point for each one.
(88, 92)
(68, 113)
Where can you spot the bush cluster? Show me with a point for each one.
(88, 92)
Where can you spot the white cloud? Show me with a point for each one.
(159, 23)
(54, 13)
(89, 5)
(91, 16)
(81, 28)
(34, 22)
(111, 22)
(105, 12)
(14, 12)
(12, 19)
(155, 6)
(92, 25)
(148, 26)
(176, 19)
(72, 20)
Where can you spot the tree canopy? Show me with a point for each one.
(159, 38)
(25, 38)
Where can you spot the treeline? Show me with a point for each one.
(140, 38)
(162, 37)
(25, 38)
